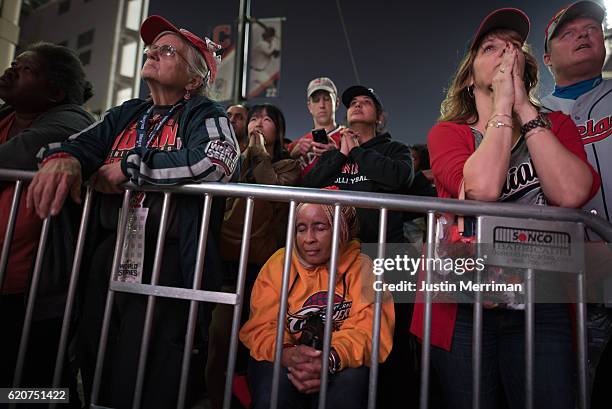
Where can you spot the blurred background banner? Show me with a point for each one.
(223, 85)
(264, 60)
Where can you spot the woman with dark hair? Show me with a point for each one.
(176, 136)
(490, 130)
(273, 141)
(351, 341)
(43, 91)
(265, 161)
(64, 72)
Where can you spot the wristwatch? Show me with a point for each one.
(334, 362)
(539, 121)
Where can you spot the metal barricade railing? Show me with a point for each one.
(383, 202)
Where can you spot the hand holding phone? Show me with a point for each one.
(320, 136)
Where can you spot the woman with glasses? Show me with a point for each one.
(176, 136)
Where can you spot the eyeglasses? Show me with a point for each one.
(165, 50)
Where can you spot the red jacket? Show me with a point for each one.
(450, 145)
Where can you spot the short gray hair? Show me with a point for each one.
(197, 67)
(196, 64)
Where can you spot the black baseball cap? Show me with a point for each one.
(357, 90)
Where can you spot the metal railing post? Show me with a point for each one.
(282, 311)
(329, 310)
(110, 298)
(581, 335)
(378, 300)
(27, 322)
(426, 347)
(477, 330)
(242, 266)
(148, 324)
(74, 275)
(10, 228)
(193, 305)
(529, 338)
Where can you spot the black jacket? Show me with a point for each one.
(380, 165)
(55, 125)
(19, 152)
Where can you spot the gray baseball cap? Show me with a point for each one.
(321, 84)
(579, 9)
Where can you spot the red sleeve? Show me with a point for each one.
(292, 144)
(336, 138)
(566, 131)
(450, 145)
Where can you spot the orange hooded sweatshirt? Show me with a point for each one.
(353, 307)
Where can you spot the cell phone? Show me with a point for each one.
(320, 136)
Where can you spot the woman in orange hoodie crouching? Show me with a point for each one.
(352, 319)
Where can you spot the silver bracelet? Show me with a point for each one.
(533, 132)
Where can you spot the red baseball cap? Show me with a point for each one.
(579, 9)
(154, 25)
(509, 18)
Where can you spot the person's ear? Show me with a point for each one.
(57, 95)
(309, 106)
(194, 83)
(546, 59)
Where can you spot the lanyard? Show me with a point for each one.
(142, 125)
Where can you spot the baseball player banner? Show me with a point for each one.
(264, 60)
(224, 83)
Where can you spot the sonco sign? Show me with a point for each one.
(531, 237)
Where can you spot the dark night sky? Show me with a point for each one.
(406, 51)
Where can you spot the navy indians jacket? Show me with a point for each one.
(207, 152)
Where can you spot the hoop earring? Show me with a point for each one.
(470, 91)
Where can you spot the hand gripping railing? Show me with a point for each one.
(383, 202)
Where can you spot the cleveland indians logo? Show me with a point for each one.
(592, 131)
(316, 304)
(126, 140)
(520, 180)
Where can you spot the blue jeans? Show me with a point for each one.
(347, 389)
(503, 360)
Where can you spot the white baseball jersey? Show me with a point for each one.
(592, 113)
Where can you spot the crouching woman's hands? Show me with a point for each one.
(304, 366)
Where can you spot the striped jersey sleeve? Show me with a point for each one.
(90, 146)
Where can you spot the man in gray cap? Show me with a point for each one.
(575, 53)
(322, 104)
